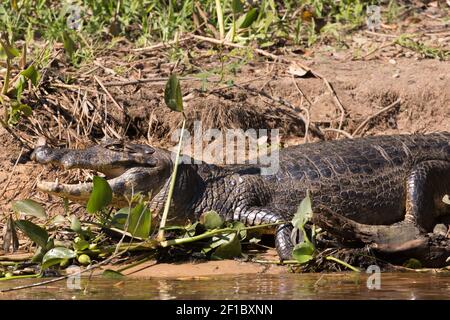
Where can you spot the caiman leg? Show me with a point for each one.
(426, 186)
(258, 215)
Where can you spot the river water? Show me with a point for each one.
(408, 286)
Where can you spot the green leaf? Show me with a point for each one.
(30, 208)
(140, 221)
(20, 87)
(38, 255)
(237, 225)
(230, 249)
(303, 252)
(10, 51)
(17, 111)
(56, 256)
(75, 224)
(31, 74)
(101, 195)
(112, 274)
(80, 244)
(249, 18)
(172, 94)
(211, 220)
(69, 44)
(34, 232)
(24, 109)
(304, 213)
(236, 6)
(50, 244)
(120, 218)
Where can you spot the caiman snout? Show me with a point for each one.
(129, 168)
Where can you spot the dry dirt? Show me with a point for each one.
(79, 113)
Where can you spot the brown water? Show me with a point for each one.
(285, 286)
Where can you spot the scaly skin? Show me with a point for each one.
(381, 180)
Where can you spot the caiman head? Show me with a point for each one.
(129, 169)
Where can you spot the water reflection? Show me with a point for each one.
(409, 286)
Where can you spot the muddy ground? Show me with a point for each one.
(368, 74)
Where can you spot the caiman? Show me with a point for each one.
(385, 191)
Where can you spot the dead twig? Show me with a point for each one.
(365, 122)
(109, 94)
(161, 80)
(162, 45)
(308, 116)
(384, 45)
(337, 102)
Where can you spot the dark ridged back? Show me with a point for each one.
(356, 178)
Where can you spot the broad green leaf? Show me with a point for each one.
(101, 195)
(303, 252)
(75, 224)
(140, 221)
(249, 18)
(230, 249)
(56, 256)
(112, 274)
(34, 232)
(211, 220)
(30, 208)
(31, 74)
(304, 213)
(236, 6)
(172, 94)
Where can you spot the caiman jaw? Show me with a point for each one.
(129, 170)
(78, 192)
